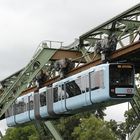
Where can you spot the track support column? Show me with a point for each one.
(43, 127)
(53, 130)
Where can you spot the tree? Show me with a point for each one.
(67, 125)
(99, 113)
(127, 127)
(131, 121)
(21, 133)
(118, 129)
(93, 129)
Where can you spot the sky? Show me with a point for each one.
(26, 23)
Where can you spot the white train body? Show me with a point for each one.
(100, 85)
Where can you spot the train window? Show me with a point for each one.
(85, 84)
(26, 101)
(31, 102)
(61, 92)
(20, 106)
(121, 76)
(43, 99)
(55, 94)
(78, 82)
(16, 109)
(97, 79)
(73, 88)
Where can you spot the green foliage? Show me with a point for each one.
(66, 126)
(78, 127)
(83, 126)
(93, 129)
(118, 129)
(21, 133)
(127, 127)
(99, 113)
(131, 121)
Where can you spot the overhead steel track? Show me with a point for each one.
(123, 54)
(126, 23)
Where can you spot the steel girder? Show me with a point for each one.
(24, 77)
(125, 26)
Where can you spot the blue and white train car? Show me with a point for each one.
(105, 84)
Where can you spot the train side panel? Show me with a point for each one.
(22, 117)
(10, 121)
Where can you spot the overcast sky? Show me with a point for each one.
(25, 23)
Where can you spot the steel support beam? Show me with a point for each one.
(59, 54)
(53, 130)
(121, 53)
(136, 134)
(117, 18)
(62, 53)
(85, 54)
(135, 103)
(42, 56)
(43, 127)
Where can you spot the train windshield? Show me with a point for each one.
(121, 75)
(121, 80)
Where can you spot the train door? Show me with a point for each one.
(37, 106)
(61, 97)
(97, 86)
(43, 102)
(31, 106)
(85, 89)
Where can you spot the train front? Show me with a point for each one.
(121, 81)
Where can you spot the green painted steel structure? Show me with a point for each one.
(136, 134)
(43, 126)
(125, 25)
(135, 103)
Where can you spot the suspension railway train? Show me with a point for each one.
(105, 84)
